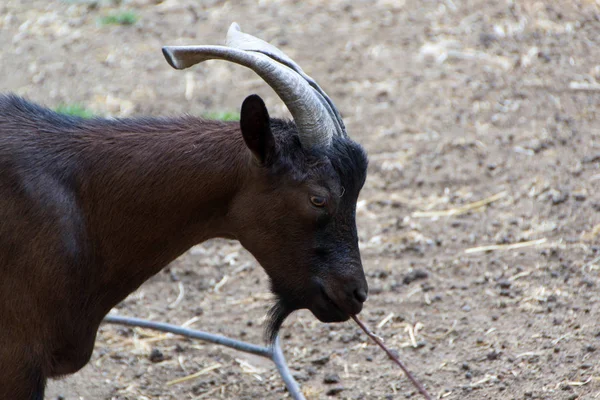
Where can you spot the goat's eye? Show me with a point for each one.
(318, 201)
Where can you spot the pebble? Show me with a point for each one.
(579, 196)
(320, 361)
(504, 284)
(591, 158)
(466, 308)
(559, 197)
(331, 378)
(588, 282)
(334, 391)
(156, 356)
(590, 348)
(414, 275)
(493, 355)
(300, 376)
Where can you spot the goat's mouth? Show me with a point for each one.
(327, 310)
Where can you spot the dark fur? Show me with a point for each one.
(90, 209)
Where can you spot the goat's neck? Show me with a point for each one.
(153, 191)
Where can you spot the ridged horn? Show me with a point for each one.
(311, 109)
(243, 41)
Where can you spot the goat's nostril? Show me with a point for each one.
(360, 295)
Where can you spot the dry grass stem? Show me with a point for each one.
(179, 296)
(505, 246)
(190, 322)
(586, 86)
(579, 383)
(445, 334)
(195, 375)
(221, 283)
(460, 210)
(519, 275)
(385, 320)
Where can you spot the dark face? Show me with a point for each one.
(298, 216)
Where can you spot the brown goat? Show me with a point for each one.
(90, 209)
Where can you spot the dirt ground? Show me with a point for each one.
(482, 122)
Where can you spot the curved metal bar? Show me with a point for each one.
(274, 352)
(291, 384)
(178, 330)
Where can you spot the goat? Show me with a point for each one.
(92, 208)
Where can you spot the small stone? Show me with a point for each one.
(334, 391)
(320, 361)
(588, 282)
(331, 378)
(300, 376)
(579, 196)
(590, 348)
(346, 338)
(591, 158)
(493, 355)
(415, 275)
(559, 197)
(504, 284)
(156, 356)
(466, 308)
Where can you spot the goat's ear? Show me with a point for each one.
(256, 128)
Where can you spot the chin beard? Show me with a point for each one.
(277, 314)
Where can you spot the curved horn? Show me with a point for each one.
(310, 109)
(243, 41)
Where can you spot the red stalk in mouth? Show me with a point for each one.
(395, 359)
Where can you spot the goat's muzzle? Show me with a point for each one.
(338, 303)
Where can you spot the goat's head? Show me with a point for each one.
(297, 213)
